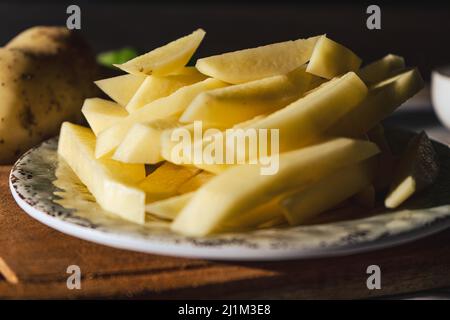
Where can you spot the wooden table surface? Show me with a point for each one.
(34, 260)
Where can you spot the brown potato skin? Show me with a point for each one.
(45, 75)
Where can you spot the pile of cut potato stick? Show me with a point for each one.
(326, 110)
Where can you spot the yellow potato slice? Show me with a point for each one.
(102, 114)
(142, 142)
(258, 63)
(243, 188)
(315, 83)
(171, 106)
(170, 145)
(382, 100)
(305, 119)
(121, 88)
(169, 208)
(187, 71)
(112, 183)
(195, 182)
(165, 181)
(264, 216)
(325, 194)
(300, 124)
(234, 104)
(417, 168)
(330, 59)
(155, 87)
(176, 152)
(382, 69)
(166, 59)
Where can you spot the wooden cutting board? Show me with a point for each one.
(34, 260)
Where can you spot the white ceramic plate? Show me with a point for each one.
(33, 180)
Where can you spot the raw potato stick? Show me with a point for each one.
(102, 114)
(221, 199)
(331, 190)
(112, 183)
(257, 63)
(166, 59)
(154, 87)
(330, 59)
(228, 106)
(165, 181)
(417, 168)
(121, 88)
(169, 107)
(142, 142)
(382, 99)
(381, 69)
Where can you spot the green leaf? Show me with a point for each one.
(119, 56)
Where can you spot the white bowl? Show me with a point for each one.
(440, 94)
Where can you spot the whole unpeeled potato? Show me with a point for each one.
(45, 75)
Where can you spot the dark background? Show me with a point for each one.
(419, 31)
